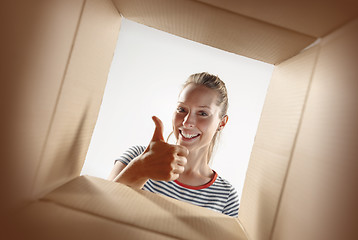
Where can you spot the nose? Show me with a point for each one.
(189, 121)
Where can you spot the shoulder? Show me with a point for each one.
(130, 154)
(232, 203)
(136, 150)
(224, 183)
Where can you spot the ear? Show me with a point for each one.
(223, 122)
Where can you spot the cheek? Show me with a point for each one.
(209, 126)
(176, 121)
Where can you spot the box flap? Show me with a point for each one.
(145, 210)
(217, 27)
(274, 143)
(37, 58)
(322, 179)
(79, 96)
(315, 18)
(43, 220)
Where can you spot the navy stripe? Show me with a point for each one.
(211, 206)
(189, 192)
(129, 155)
(197, 198)
(204, 192)
(233, 211)
(232, 205)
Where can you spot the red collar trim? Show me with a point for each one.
(201, 186)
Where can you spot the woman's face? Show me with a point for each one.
(196, 118)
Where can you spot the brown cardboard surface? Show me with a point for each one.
(312, 17)
(274, 142)
(144, 210)
(47, 220)
(51, 90)
(320, 196)
(300, 181)
(217, 27)
(37, 48)
(79, 97)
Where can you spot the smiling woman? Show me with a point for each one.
(203, 103)
(148, 70)
(181, 170)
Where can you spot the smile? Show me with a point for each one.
(189, 136)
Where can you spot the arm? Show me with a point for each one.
(117, 168)
(127, 170)
(132, 175)
(160, 161)
(232, 205)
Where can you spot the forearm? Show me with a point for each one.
(132, 176)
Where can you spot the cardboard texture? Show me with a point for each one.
(216, 27)
(274, 142)
(54, 221)
(322, 178)
(301, 182)
(56, 99)
(79, 97)
(313, 18)
(34, 91)
(148, 212)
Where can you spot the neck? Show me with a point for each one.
(197, 171)
(197, 161)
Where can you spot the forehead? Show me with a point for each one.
(198, 95)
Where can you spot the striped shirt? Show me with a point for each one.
(218, 194)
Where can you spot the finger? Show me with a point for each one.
(178, 170)
(158, 132)
(174, 176)
(181, 161)
(181, 150)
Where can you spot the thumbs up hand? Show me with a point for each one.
(162, 161)
(159, 129)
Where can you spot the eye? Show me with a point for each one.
(180, 109)
(202, 113)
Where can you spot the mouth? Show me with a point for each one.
(189, 136)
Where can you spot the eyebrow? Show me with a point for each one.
(203, 106)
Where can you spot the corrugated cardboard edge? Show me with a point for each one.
(322, 178)
(79, 97)
(133, 208)
(218, 28)
(274, 142)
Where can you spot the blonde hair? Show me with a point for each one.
(215, 83)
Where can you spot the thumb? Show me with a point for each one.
(158, 132)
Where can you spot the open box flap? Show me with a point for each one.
(146, 211)
(269, 31)
(315, 18)
(218, 28)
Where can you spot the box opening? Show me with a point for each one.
(147, 72)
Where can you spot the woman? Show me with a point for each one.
(181, 171)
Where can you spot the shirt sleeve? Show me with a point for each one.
(232, 205)
(130, 154)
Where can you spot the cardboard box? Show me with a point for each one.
(301, 181)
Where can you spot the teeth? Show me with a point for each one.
(189, 135)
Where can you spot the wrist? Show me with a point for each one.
(133, 175)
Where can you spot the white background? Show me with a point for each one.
(147, 72)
